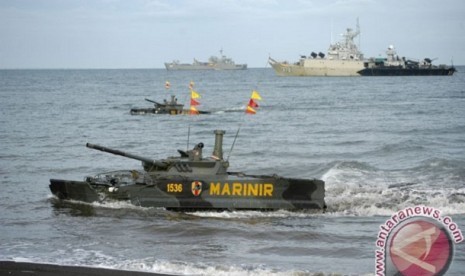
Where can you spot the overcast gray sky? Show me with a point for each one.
(147, 33)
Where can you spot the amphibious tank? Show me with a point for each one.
(192, 182)
(171, 107)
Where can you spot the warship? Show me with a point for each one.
(192, 182)
(343, 59)
(393, 65)
(214, 63)
(171, 107)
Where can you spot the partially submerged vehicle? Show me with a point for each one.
(393, 65)
(193, 182)
(171, 107)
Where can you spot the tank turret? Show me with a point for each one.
(190, 162)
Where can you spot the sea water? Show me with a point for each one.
(381, 144)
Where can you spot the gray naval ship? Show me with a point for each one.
(214, 63)
(193, 182)
(343, 59)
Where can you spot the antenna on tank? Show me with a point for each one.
(188, 135)
(234, 142)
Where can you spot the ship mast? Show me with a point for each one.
(331, 42)
(359, 36)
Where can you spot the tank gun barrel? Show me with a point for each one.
(125, 154)
(157, 103)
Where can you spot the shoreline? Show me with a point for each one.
(23, 268)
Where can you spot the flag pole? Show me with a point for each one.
(192, 109)
(249, 110)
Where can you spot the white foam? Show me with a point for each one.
(354, 189)
(97, 259)
(184, 268)
(113, 204)
(255, 214)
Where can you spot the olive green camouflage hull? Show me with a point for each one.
(233, 192)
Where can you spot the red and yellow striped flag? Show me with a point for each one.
(194, 102)
(252, 103)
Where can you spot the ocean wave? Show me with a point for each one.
(359, 189)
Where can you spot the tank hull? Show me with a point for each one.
(234, 191)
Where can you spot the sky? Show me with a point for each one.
(146, 33)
